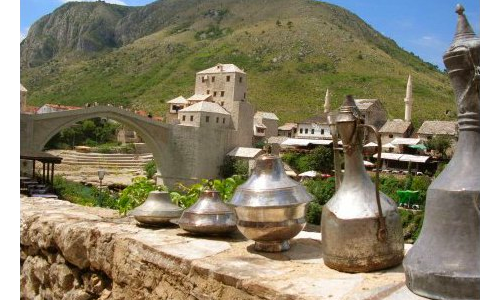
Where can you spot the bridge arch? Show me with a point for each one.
(46, 126)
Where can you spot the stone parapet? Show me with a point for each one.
(74, 252)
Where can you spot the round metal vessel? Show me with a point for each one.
(157, 210)
(270, 206)
(209, 215)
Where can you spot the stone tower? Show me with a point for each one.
(328, 100)
(408, 100)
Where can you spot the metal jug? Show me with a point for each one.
(209, 215)
(157, 210)
(270, 206)
(360, 227)
(444, 261)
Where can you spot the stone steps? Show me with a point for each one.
(112, 160)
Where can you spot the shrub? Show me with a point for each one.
(135, 194)
(313, 214)
(150, 168)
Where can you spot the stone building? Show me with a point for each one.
(373, 111)
(395, 129)
(315, 127)
(265, 125)
(288, 130)
(205, 114)
(430, 129)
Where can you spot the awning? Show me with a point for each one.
(388, 145)
(310, 174)
(414, 158)
(404, 157)
(371, 144)
(306, 142)
(418, 146)
(368, 164)
(405, 141)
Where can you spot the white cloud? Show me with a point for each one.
(430, 41)
(107, 1)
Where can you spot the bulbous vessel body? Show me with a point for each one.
(350, 223)
(450, 231)
(270, 206)
(157, 210)
(209, 215)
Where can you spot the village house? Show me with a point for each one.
(395, 129)
(431, 129)
(288, 130)
(265, 125)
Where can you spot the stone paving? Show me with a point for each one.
(151, 263)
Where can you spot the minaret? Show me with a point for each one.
(408, 100)
(327, 102)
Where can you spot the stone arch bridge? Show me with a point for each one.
(182, 153)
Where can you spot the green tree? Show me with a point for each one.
(321, 159)
(440, 144)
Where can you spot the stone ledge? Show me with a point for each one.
(89, 253)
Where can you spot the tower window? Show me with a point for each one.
(222, 93)
(391, 136)
(215, 94)
(183, 118)
(191, 118)
(213, 78)
(241, 78)
(222, 103)
(223, 120)
(207, 118)
(312, 131)
(307, 130)
(322, 131)
(208, 92)
(217, 120)
(228, 78)
(244, 95)
(300, 130)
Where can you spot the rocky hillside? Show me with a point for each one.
(291, 50)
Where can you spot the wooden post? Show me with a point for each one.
(33, 170)
(52, 175)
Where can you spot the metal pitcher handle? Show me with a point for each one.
(382, 229)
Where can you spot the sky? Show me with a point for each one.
(424, 27)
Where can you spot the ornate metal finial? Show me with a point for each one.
(462, 62)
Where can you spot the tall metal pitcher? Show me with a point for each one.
(444, 262)
(360, 227)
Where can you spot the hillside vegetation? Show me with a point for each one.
(292, 51)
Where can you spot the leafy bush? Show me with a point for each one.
(233, 166)
(412, 224)
(319, 159)
(313, 214)
(150, 169)
(135, 194)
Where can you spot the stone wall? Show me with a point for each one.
(74, 252)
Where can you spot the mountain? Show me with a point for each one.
(291, 50)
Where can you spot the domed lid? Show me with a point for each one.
(158, 204)
(464, 35)
(270, 186)
(209, 203)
